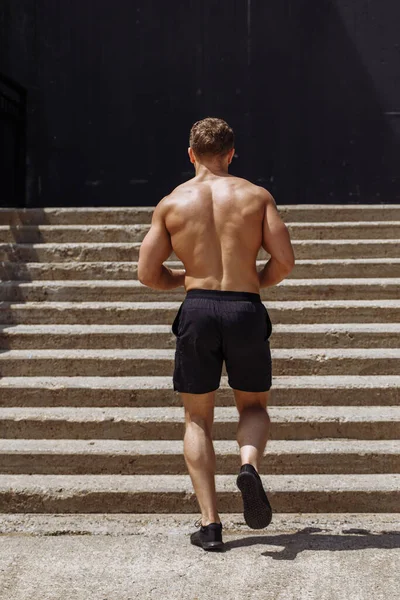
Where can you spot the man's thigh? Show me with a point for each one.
(198, 356)
(246, 348)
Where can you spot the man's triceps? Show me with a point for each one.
(155, 249)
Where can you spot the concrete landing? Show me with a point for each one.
(126, 557)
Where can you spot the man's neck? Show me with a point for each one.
(210, 169)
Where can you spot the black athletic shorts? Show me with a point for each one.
(213, 326)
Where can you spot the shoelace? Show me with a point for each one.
(198, 523)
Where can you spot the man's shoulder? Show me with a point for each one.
(187, 187)
(175, 197)
(184, 195)
(255, 190)
(248, 183)
(192, 189)
(265, 194)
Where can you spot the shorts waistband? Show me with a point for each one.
(223, 295)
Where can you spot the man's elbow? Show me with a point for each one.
(287, 266)
(144, 281)
(144, 277)
(291, 264)
(147, 281)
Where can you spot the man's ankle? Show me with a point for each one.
(251, 465)
(206, 522)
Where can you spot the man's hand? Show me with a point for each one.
(272, 273)
(169, 279)
(155, 249)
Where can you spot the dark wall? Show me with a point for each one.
(12, 141)
(311, 89)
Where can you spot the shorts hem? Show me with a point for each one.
(191, 391)
(253, 389)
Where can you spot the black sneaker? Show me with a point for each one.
(209, 537)
(256, 507)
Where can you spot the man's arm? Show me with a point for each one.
(155, 249)
(276, 241)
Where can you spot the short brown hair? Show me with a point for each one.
(211, 136)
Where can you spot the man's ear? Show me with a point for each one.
(191, 156)
(232, 152)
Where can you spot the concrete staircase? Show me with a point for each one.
(88, 418)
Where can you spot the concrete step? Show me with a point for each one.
(125, 290)
(84, 215)
(105, 434)
(35, 234)
(128, 215)
(167, 423)
(129, 313)
(304, 269)
(321, 335)
(373, 493)
(61, 234)
(297, 390)
(106, 252)
(147, 363)
(165, 457)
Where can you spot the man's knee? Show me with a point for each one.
(196, 422)
(255, 411)
(250, 400)
(199, 409)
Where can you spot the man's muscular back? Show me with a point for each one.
(215, 224)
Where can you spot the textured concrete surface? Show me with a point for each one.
(153, 362)
(114, 313)
(320, 335)
(306, 311)
(88, 215)
(167, 422)
(125, 290)
(174, 493)
(165, 456)
(123, 251)
(296, 390)
(335, 345)
(126, 557)
(304, 269)
(139, 214)
(132, 457)
(99, 233)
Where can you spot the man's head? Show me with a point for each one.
(211, 141)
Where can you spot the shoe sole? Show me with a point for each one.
(257, 513)
(210, 546)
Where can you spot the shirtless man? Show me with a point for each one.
(216, 223)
